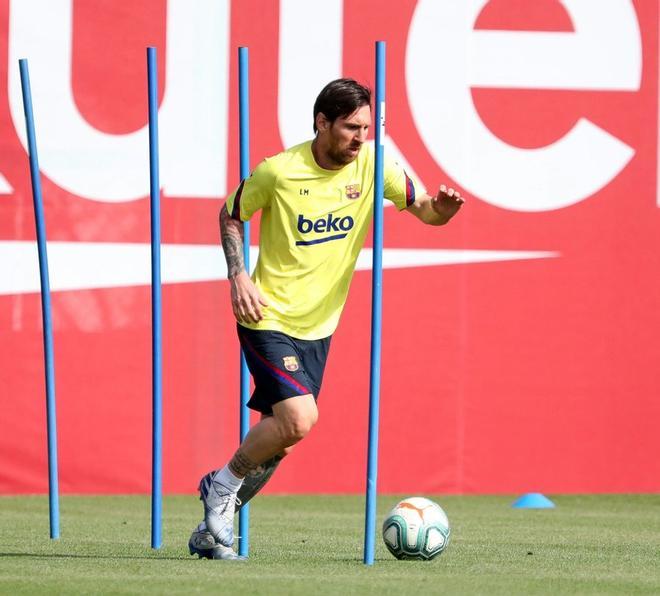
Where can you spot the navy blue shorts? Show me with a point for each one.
(282, 366)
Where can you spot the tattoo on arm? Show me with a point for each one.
(241, 465)
(231, 232)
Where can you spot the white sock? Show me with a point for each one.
(227, 479)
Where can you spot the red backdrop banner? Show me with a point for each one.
(520, 342)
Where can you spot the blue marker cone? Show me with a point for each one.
(533, 501)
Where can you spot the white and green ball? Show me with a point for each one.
(416, 528)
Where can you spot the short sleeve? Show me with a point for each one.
(399, 187)
(253, 193)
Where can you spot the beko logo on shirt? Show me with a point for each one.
(328, 223)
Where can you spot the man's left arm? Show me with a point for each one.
(437, 210)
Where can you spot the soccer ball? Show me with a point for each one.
(416, 528)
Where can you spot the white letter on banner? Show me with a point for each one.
(310, 57)
(445, 57)
(114, 168)
(5, 187)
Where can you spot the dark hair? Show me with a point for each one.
(341, 97)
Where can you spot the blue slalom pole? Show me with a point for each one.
(376, 310)
(49, 357)
(244, 149)
(156, 329)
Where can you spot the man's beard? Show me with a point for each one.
(342, 158)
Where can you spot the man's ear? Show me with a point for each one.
(322, 123)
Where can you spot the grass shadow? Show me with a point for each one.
(93, 557)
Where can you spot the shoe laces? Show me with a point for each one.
(226, 499)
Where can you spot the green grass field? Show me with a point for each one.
(313, 545)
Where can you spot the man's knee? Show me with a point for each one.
(297, 430)
(296, 417)
(298, 426)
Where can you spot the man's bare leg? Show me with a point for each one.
(257, 478)
(292, 419)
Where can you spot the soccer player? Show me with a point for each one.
(316, 202)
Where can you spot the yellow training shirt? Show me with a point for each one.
(313, 225)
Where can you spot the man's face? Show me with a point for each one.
(344, 137)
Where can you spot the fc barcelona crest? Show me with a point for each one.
(290, 363)
(353, 191)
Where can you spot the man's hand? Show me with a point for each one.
(447, 203)
(437, 210)
(246, 300)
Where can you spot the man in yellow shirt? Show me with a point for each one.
(316, 202)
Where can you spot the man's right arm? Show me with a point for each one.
(231, 233)
(246, 300)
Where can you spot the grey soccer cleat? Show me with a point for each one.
(201, 542)
(203, 545)
(224, 553)
(219, 505)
